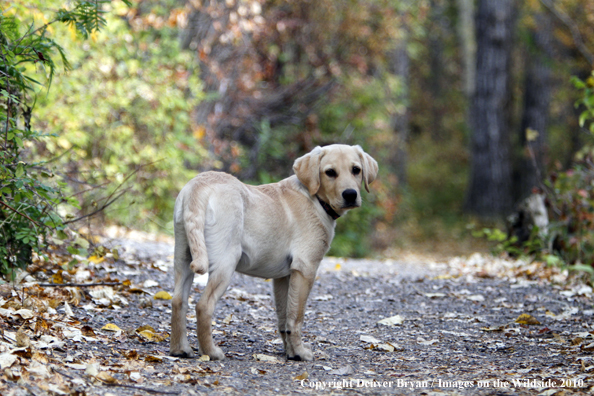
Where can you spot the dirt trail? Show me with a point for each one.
(453, 331)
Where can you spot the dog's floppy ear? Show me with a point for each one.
(369, 167)
(307, 169)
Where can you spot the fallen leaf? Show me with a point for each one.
(435, 295)
(392, 321)
(564, 315)
(40, 357)
(577, 341)
(96, 259)
(92, 369)
(385, 347)
(47, 341)
(162, 295)
(41, 326)
(153, 359)
(150, 283)
(87, 331)
(550, 392)
(55, 389)
(76, 366)
(204, 358)
(38, 370)
(57, 277)
(83, 243)
(106, 377)
(589, 347)
(476, 298)
(135, 376)
(151, 337)
(25, 313)
(345, 370)
(265, 358)
(494, 328)
(527, 319)
(131, 355)
(424, 342)
(228, 319)
(22, 339)
(12, 376)
(369, 339)
(302, 376)
(111, 327)
(145, 327)
(67, 309)
(22, 352)
(73, 334)
(6, 360)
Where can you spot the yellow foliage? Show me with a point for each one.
(162, 295)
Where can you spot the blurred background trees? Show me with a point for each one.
(466, 104)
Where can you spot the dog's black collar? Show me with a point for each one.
(328, 209)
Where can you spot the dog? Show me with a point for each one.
(280, 231)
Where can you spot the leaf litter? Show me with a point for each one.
(447, 321)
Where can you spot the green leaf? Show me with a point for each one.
(581, 267)
(62, 235)
(20, 170)
(552, 260)
(583, 117)
(579, 84)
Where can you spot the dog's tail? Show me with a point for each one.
(193, 216)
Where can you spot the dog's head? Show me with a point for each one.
(335, 173)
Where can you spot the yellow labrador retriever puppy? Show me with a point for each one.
(279, 231)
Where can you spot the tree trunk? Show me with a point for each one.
(466, 30)
(537, 97)
(399, 64)
(438, 40)
(489, 193)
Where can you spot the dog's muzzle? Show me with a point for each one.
(350, 198)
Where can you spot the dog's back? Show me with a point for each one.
(213, 210)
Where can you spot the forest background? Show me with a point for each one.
(468, 106)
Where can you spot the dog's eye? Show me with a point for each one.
(356, 170)
(331, 173)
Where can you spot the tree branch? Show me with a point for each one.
(19, 213)
(575, 32)
(98, 210)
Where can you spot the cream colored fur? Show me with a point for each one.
(278, 231)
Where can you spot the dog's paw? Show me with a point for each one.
(188, 354)
(199, 266)
(216, 354)
(301, 354)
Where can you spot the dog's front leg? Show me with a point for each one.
(299, 288)
(281, 290)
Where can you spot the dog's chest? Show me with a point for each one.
(265, 263)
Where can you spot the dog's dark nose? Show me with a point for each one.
(350, 196)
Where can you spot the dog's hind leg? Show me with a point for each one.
(184, 277)
(218, 281)
(222, 238)
(194, 219)
(281, 290)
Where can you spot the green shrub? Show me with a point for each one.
(569, 238)
(124, 114)
(29, 195)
